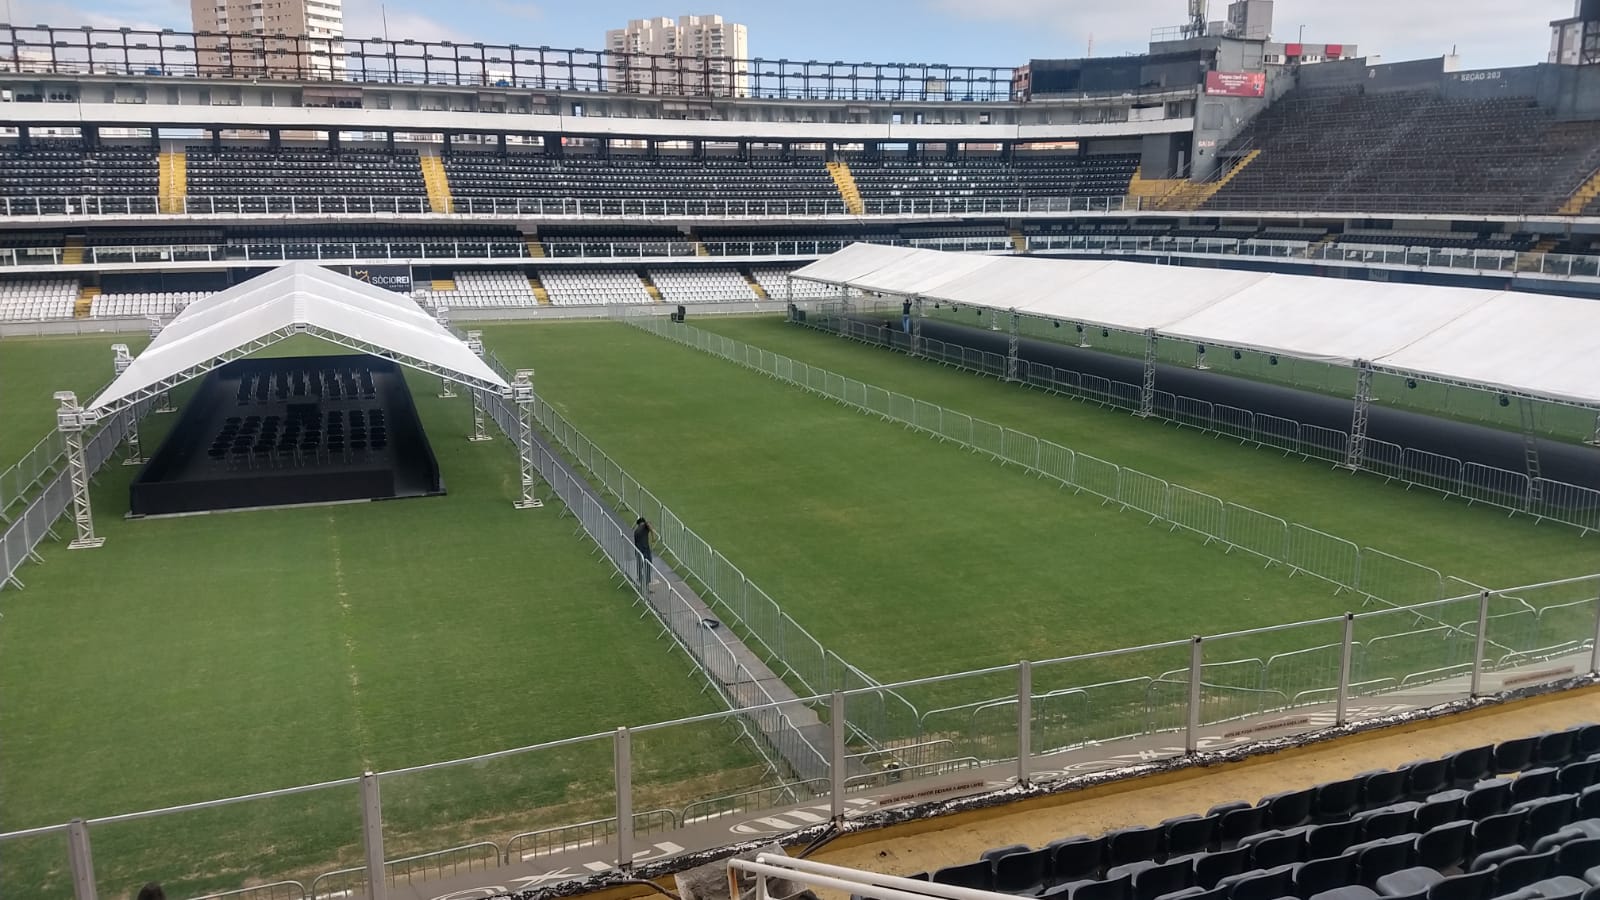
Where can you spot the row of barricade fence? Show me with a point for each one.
(781, 639)
(1516, 492)
(28, 525)
(1373, 574)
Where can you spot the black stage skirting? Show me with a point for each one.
(282, 432)
(1481, 444)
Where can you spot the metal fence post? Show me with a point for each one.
(836, 760)
(623, 762)
(1341, 713)
(1594, 657)
(1024, 721)
(1477, 653)
(372, 837)
(83, 887)
(1196, 663)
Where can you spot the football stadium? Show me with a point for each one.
(1172, 476)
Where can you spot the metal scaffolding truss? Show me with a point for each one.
(294, 300)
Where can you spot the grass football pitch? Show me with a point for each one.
(196, 658)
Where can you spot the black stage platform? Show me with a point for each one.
(281, 432)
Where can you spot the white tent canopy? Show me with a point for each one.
(299, 297)
(1536, 345)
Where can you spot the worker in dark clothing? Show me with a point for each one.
(643, 535)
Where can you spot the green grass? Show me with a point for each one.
(33, 369)
(1478, 543)
(861, 529)
(201, 657)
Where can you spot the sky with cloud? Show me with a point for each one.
(1486, 33)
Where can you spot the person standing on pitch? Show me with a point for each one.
(643, 534)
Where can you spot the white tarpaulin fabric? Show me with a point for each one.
(298, 293)
(1543, 346)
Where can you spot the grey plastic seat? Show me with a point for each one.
(1413, 881)
(1534, 783)
(1466, 886)
(1444, 847)
(1348, 892)
(1561, 887)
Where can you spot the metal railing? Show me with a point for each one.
(550, 841)
(324, 205)
(1516, 492)
(1298, 548)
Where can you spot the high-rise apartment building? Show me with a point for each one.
(273, 38)
(696, 55)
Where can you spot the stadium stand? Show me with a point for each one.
(143, 304)
(257, 180)
(33, 299)
(618, 244)
(701, 285)
(941, 179)
(585, 287)
(51, 177)
(1520, 819)
(478, 289)
(1409, 151)
(775, 281)
(526, 175)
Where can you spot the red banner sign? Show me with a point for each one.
(1236, 84)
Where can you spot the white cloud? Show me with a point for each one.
(1487, 32)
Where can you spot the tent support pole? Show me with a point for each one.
(918, 313)
(1530, 451)
(1596, 439)
(1147, 390)
(522, 395)
(1011, 347)
(479, 434)
(844, 313)
(71, 421)
(120, 362)
(1356, 454)
(163, 401)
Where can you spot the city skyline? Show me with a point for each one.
(1486, 33)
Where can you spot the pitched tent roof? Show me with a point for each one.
(1534, 344)
(298, 296)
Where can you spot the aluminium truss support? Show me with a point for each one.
(1356, 454)
(479, 433)
(121, 360)
(442, 316)
(522, 395)
(72, 421)
(163, 399)
(1147, 388)
(1530, 451)
(844, 314)
(918, 313)
(1012, 342)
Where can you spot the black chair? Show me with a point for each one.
(1196, 893)
(1546, 815)
(1338, 799)
(978, 875)
(1589, 803)
(1212, 868)
(1238, 823)
(1022, 872)
(1076, 859)
(1488, 798)
(1271, 849)
(1107, 889)
(1580, 858)
(1466, 886)
(1468, 767)
(1563, 836)
(1325, 874)
(1534, 783)
(1190, 834)
(1270, 884)
(1347, 892)
(1440, 808)
(1289, 809)
(995, 853)
(1493, 858)
(1127, 845)
(1383, 787)
(1160, 880)
(1556, 747)
(1576, 776)
(1378, 858)
(1561, 887)
(1495, 832)
(1587, 740)
(1412, 882)
(1445, 847)
(1519, 872)
(1514, 755)
(1331, 838)
(1389, 821)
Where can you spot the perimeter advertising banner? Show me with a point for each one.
(1236, 84)
(394, 278)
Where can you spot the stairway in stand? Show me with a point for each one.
(72, 250)
(85, 303)
(174, 190)
(650, 288)
(1194, 194)
(1019, 241)
(848, 191)
(538, 288)
(535, 246)
(438, 183)
(755, 285)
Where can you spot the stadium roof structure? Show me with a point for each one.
(296, 298)
(1529, 345)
